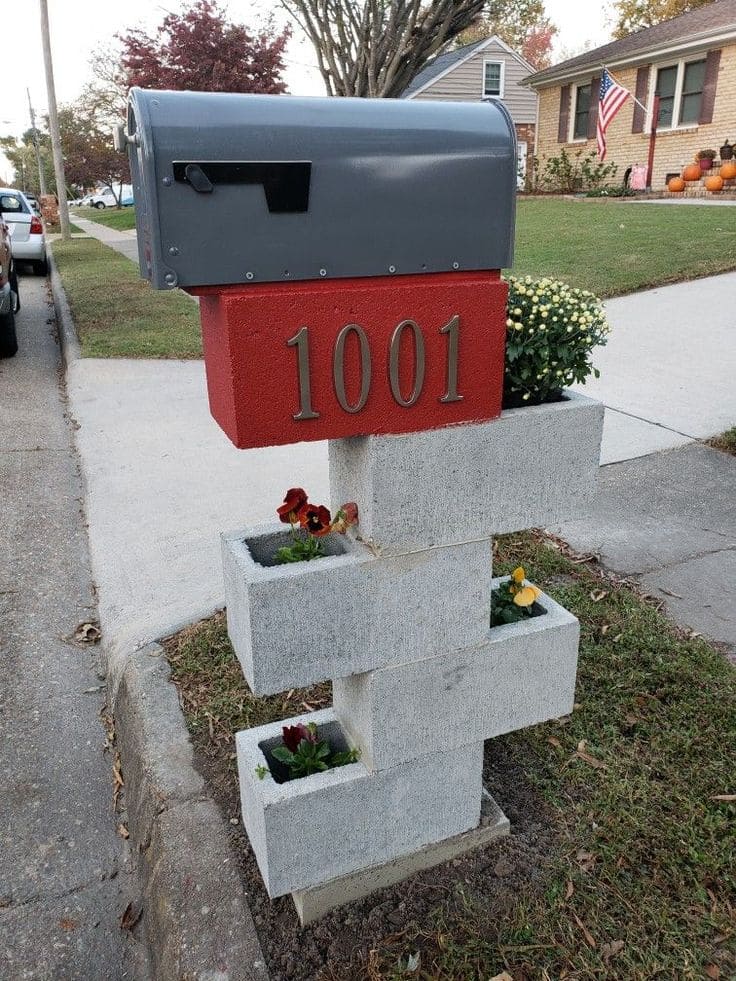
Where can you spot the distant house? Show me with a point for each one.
(689, 61)
(488, 69)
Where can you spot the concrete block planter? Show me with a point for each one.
(528, 468)
(317, 828)
(352, 611)
(522, 674)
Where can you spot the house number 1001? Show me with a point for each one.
(301, 342)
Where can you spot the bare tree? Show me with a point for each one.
(374, 48)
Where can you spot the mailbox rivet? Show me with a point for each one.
(323, 272)
(167, 182)
(392, 268)
(173, 250)
(456, 265)
(249, 275)
(170, 278)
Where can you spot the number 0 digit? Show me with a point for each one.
(338, 367)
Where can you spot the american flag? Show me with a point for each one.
(612, 96)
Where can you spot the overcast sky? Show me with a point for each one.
(80, 27)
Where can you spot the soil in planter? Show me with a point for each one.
(264, 548)
(515, 400)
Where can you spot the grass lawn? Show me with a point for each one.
(116, 312)
(636, 876)
(605, 246)
(122, 218)
(613, 248)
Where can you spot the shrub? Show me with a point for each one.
(566, 172)
(551, 331)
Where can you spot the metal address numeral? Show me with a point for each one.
(338, 367)
(452, 329)
(393, 363)
(301, 341)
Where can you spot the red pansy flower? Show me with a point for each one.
(293, 735)
(294, 501)
(315, 518)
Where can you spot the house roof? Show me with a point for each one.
(443, 63)
(713, 19)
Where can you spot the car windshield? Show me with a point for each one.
(12, 204)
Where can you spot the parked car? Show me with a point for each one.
(26, 229)
(106, 199)
(33, 201)
(9, 295)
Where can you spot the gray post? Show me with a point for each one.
(54, 124)
(41, 175)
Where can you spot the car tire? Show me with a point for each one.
(100, 205)
(14, 288)
(8, 338)
(41, 267)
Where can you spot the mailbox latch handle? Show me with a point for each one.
(285, 182)
(198, 179)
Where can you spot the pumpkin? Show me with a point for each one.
(676, 184)
(714, 183)
(692, 172)
(728, 170)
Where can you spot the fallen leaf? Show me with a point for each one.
(617, 638)
(87, 633)
(632, 720)
(307, 707)
(598, 594)
(582, 754)
(68, 924)
(586, 932)
(569, 890)
(725, 798)
(586, 860)
(713, 971)
(130, 917)
(610, 950)
(667, 592)
(605, 628)
(123, 831)
(503, 976)
(554, 742)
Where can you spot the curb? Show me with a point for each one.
(70, 348)
(198, 922)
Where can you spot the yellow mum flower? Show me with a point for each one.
(518, 575)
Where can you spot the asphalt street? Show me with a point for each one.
(66, 875)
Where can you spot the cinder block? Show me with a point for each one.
(523, 674)
(528, 468)
(352, 611)
(309, 831)
(312, 904)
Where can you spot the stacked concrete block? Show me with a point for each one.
(400, 621)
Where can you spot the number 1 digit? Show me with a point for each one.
(452, 329)
(300, 340)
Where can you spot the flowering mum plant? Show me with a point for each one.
(309, 524)
(303, 752)
(514, 600)
(551, 329)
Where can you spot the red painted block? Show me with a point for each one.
(325, 360)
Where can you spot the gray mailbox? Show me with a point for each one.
(256, 188)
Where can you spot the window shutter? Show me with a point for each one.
(712, 64)
(642, 88)
(595, 91)
(564, 126)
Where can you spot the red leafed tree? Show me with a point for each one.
(199, 50)
(537, 46)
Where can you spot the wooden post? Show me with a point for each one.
(652, 141)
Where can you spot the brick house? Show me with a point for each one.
(690, 61)
(487, 69)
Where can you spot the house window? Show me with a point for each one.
(493, 79)
(582, 108)
(680, 90)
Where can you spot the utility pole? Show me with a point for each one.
(54, 124)
(41, 175)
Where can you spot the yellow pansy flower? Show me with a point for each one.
(527, 595)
